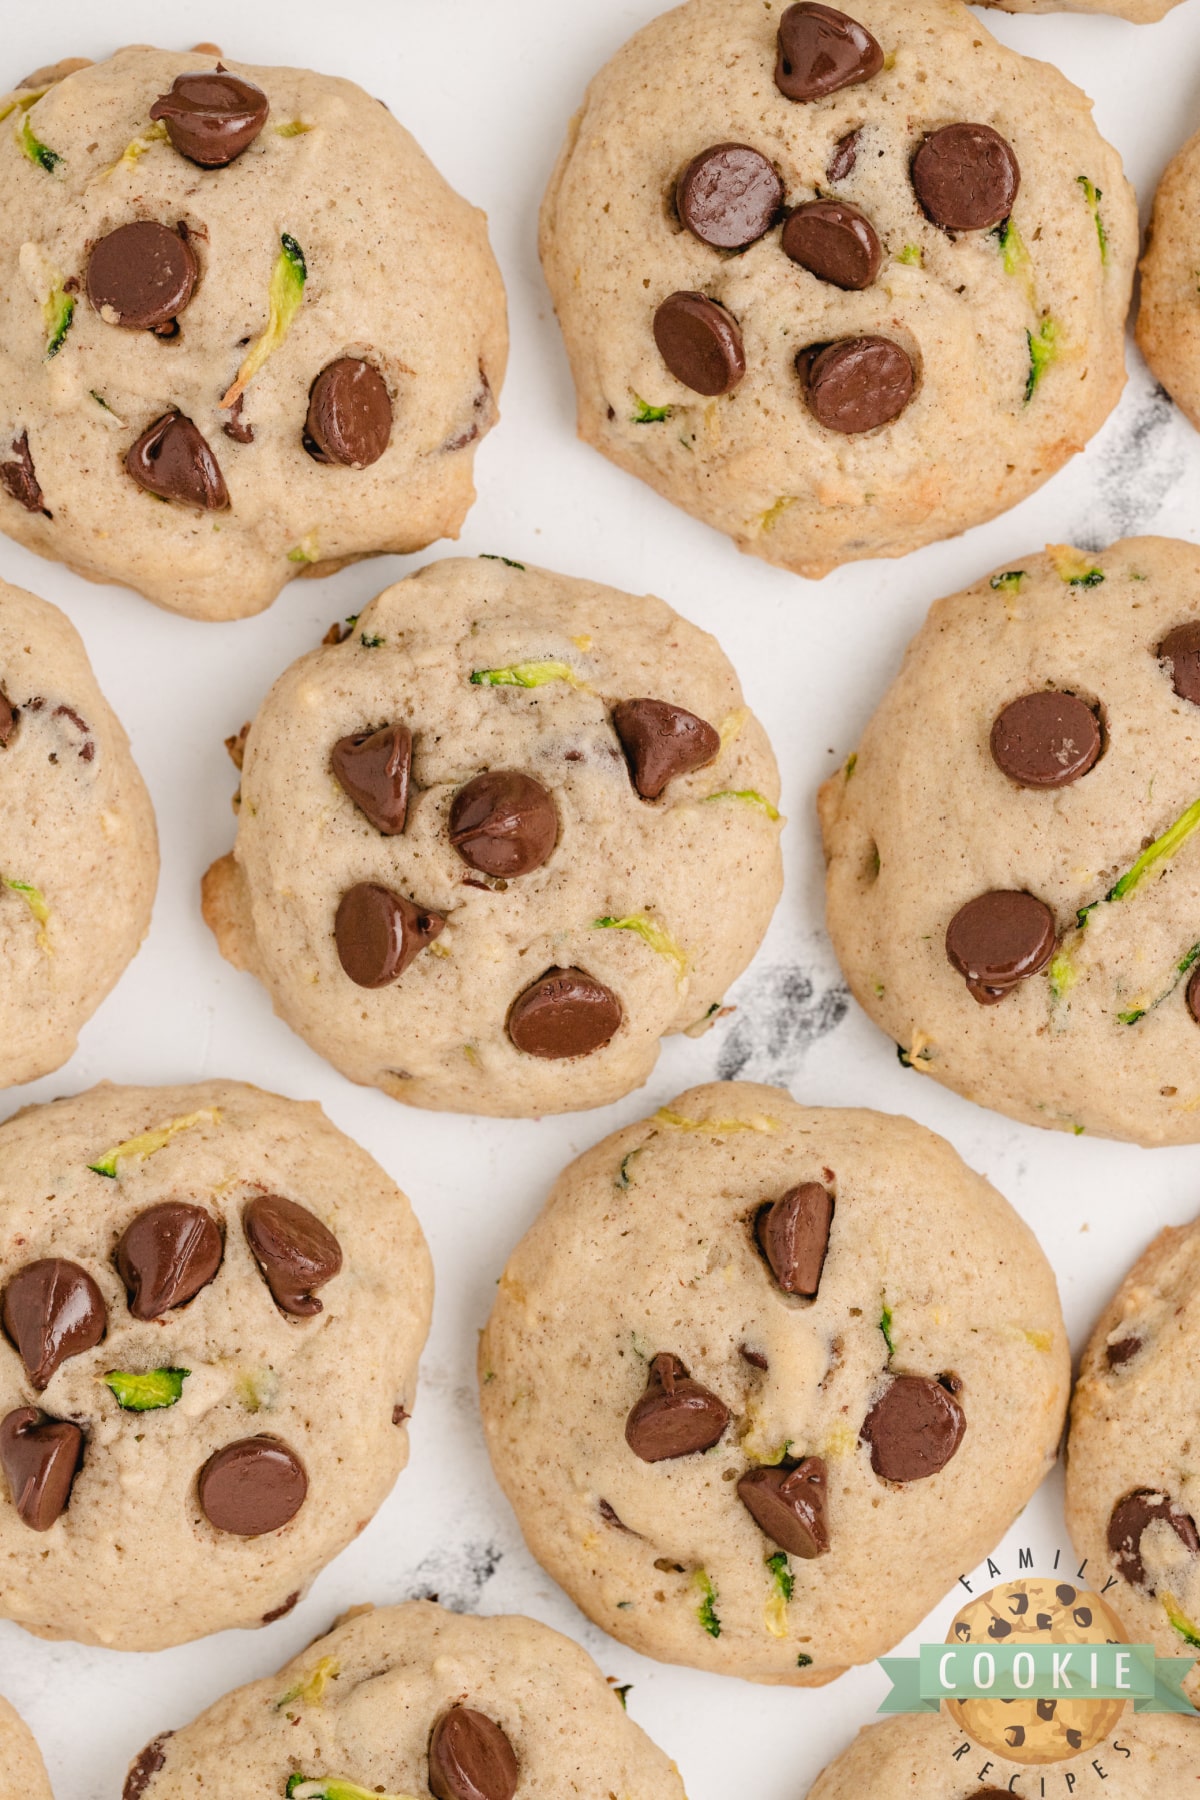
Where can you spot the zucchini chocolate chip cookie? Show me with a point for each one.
(247, 331)
(1168, 329)
(1133, 1490)
(415, 1700)
(79, 863)
(839, 283)
(23, 1774)
(500, 839)
(763, 1379)
(211, 1309)
(1013, 887)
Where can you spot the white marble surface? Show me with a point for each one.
(488, 87)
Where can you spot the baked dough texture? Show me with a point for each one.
(331, 236)
(502, 667)
(80, 859)
(1168, 328)
(334, 1385)
(22, 1771)
(1139, 12)
(1015, 333)
(647, 1246)
(922, 821)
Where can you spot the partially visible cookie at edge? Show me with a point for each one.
(1168, 330)
(22, 1771)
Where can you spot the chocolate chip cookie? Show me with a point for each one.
(414, 1700)
(21, 1760)
(500, 839)
(247, 331)
(763, 1380)
(1014, 883)
(838, 282)
(1168, 332)
(211, 1309)
(79, 863)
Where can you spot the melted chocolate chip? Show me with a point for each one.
(835, 242)
(378, 933)
(252, 1486)
(966, 177)
(19, 479)
(729, 196)
(9, 717)
(374, 769)
(141, 276)
(565, 1013)
(349, 414)
(52, 1310)
(822, 50)
(788, 1505)
(611, 1517)
(997, 1793)
(295, 1251)
(1117, 1355)
(1193, 995)
(755, 1358)
(675, 1416)
(793, 1235)
(400, 1415)
(173, 460)
(914, 1428)
(144, 1767)
(856, 384)
(1046, 739)
(661, 742)
(166, 1256)
(211, 117)
(503, 823)
(844, 158)
(470, 1758)
(1179, 652)
(40, 1458)
(1132, 1517)
(282, 1610)
(235, 426)
(998, 940)
(700, 343)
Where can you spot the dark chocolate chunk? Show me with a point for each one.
(167, 1255)
(142, 275)
(470, 1758)
(793, 1235)
(844, 158)
(235, 426)
(173, 460)
(564, 1013)
(1131, 1517)
(378, 933)
(295, 1251)
(1180, 654)
(211, 116)
(966, 177)
(856, 384)
(503, 823)
(729, 196)
(282, 1610)
(700, 343)
(675, 1416)
(19, 480)
(252, 1486)
(822, 50)
(52, 1310)
(9, 719)
(349, 414)
(998, 940)
(40, 1458)
(1046, 739)
(144, 1767)
(1122, 1352)
(661, 742)
(835, 242)
(373, 769)
(914, 1428)
(788, 1505)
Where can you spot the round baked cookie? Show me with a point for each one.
(1144, 1759)
(413, 1700)
(763, 1379)
(211, 1309)
(1140, 12)
(1133, 1490)
(79, 863)
(1168, 326)
(22, 1771)
(1014, 881)
(247, 331)
(495, 844)
(839, 285)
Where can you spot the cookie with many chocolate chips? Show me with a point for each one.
(211, 1308)
(247, 331)
(500, 839)
(416, 1700)
(810, 1368)
(838, 281)
(78, 848)
(20, 1758)
(1167, 330)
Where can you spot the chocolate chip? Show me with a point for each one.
(999, 939)
(400, 1415)
(835, 242)
(1046, 1709)
(755, 1358)
(1122, 1352)
(373, 769)
(1064, 1593)
(173, 460)
(1046, 739)
(793, 1235)
(675, 1416)
(9, 717)
(914, 1428)
(966, 177)
(856, 384)
(19, 479)
(700, 343)
(661, 742)
(237, 428)
(995, 1793)
(378, 933)
(141, 276)
(1132, 1517)
(844, 158)
(166, 1256)
(565, 1013)
(52, 1310)
(295, 1251)
(470, 1758)
(282, 1611)
(611, 1517)
(252, 1486)
(40, 1458)
(822, 50)
(729, 196)
(1193, 995)
(144, 1767)
(211, 117)
(503, 823)
(349, 414)
(1180, 652)
(788, 1505)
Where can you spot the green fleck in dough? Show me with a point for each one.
(58, 311)
(747, 797)
(1074, 567)
(622, 1694)
(488, 556)
(33, 148)
(622, 1175)
(645, 414)
(1043, 350)
(527, 675)
(706, 1612)
(913, 255)
(651, 933)
(1062, 975)
(1181, 1623)
(1172, 840)
(310, 1689)
(308, 550)
(769, 519)
(334, 1787)
(781, 1575)
(885, 1325)
(286, 292)
(21, 102)
(369, 640)
(1094, 195)
(803, 1662)
(1009, 582)
(851, 764)
(36, 903)
(1180, 970)
(293, 128)
(151, 1141)
(149, 1392)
